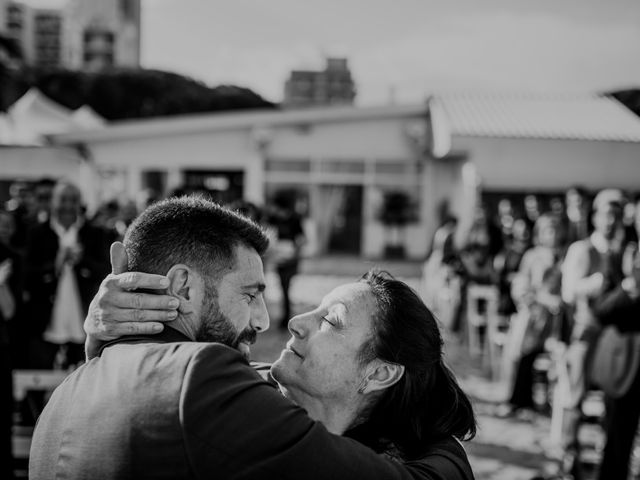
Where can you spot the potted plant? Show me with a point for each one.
(398, 210)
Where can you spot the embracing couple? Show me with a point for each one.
(360, 391)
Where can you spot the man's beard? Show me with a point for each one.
(216, 327)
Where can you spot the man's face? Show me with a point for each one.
(65, 205)
(548, 234)
(321, 358)
(607, 219)
(235, 311)
(43, 197)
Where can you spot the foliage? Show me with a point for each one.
(121, 94)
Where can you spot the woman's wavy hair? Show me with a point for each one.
(427, 404)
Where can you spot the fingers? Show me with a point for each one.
(136, 280)
(135, 328)
(143, 301)
(125, 316)
(119, 260)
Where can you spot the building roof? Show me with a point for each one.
(34, 115)
(247, 119)
(579, 117)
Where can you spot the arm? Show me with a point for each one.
(237, 426)
(575, 282)
(7, 302)
(521, 291)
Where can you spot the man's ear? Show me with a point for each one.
(182, 281)
(381, 375)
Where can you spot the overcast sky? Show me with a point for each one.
(400, 49)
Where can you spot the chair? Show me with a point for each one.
(484, 331)
(25, 381)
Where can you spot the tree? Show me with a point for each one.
(121, 94)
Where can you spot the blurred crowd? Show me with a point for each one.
(559, 283)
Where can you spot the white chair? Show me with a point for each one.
(483, 324)
(25, 381)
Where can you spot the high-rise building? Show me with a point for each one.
(331, 86)
(75, 34)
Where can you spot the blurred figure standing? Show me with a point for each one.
(10, 300)
(288, 243)
(21, 206)
(440, 274)
(621, 366)
(43, 190)
(66, 261)
(536, 291)
(577, 215)
(587, 265)
(507, 263)
(531, 209)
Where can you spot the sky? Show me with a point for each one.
(400, 51)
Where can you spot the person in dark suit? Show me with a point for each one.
(620, 307)
(151, 406)
(65, 262)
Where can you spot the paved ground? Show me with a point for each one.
(504, 449)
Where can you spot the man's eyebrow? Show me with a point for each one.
(255, 286)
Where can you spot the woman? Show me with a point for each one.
(536, 292)
(367, 363)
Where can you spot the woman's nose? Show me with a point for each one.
(299, 325)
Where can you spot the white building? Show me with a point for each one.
(24, 153)
(341, 161)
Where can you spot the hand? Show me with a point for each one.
(5, 271)
(116, 310)
(594, 284)
(74, 254)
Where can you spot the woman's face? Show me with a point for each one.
(321, 358)
(548, 234)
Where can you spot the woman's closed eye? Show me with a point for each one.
(329, 320)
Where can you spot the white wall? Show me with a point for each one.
(522, 164)
(33, 163)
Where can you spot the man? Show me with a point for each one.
(620, 363)
(591, 266)
(65, 263)
(168, 406)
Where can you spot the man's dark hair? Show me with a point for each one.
(193, 231)
(427, 404)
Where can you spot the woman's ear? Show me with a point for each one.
(382, 376)
(181, 285)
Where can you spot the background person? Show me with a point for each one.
(587, 265)
(621, 308)
(286, 246)
(65, 262)
(536, 291)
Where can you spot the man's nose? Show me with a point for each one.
(260, 316)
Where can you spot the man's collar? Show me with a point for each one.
(168, 335)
